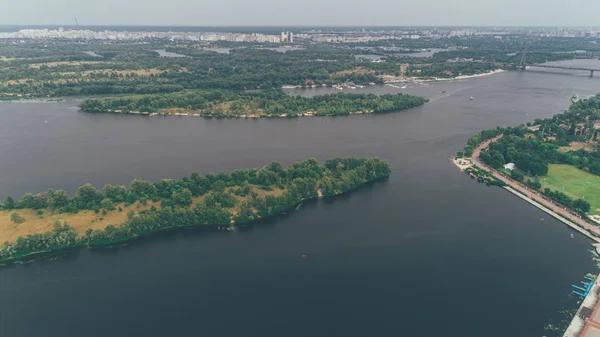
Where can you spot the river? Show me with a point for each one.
(427, 253)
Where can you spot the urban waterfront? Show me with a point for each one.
(425, 253)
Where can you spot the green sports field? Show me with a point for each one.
(575, 183)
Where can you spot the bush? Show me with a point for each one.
(16, 218)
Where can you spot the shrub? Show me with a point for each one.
(16, 218)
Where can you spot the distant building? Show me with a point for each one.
(509, 166)
(287, 37)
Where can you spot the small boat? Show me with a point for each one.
(403, 87)
(471, 98)
(443, 92)
(572, 236)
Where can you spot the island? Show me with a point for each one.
(270, 103)
(52, 221)
(553, 163)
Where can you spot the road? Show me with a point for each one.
(533, 194)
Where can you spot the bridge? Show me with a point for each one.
(591, 70)
(523, 65)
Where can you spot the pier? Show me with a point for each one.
(586, 322)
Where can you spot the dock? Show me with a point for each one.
(586, 322)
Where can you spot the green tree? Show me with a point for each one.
(107, 204)
(581, 205)
(182, 198)
(516, 175)
(9, 203)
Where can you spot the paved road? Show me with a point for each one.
(532, 194)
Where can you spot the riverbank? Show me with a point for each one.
(31, 226)
(415, 79)
(533, 197)
(464, 77)
(183, 112)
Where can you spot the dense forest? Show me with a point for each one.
(259, 103)
(214, 199)
(71, 69)
(535, 146)
(126, 69)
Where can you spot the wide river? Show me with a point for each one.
(427, 253)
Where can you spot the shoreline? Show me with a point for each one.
(546, 205)
(441, 79)
(190, 114)
(464, 77)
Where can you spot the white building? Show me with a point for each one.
(509, 166)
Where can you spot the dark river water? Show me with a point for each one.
(427, 253)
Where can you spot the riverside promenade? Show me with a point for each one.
(535, 198)
(586, 322)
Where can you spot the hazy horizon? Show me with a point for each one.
(324, 13)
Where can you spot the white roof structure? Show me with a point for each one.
(510, 166)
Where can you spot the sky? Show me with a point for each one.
(581, 13)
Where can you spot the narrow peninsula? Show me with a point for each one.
(51, 221)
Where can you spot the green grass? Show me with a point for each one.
(575, 183)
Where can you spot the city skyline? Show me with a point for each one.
(334, 13)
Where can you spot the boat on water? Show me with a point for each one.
(471, 98)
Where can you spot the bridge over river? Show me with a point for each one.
(591, 70)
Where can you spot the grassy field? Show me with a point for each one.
(575, 183)
(38, 223)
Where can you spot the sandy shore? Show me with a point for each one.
(463, 77)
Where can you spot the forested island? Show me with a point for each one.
(50, 221)
(266, 103)
(559, 157)
(69, 68)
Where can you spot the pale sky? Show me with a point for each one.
(302, 12)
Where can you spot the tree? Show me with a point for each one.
(9, 203)
(88, 196)
(581, 205)
(516, 175)
(60, 198)
(182, 198)
(107, 204)
(88, 233)
(16, 218)
(496, 159)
